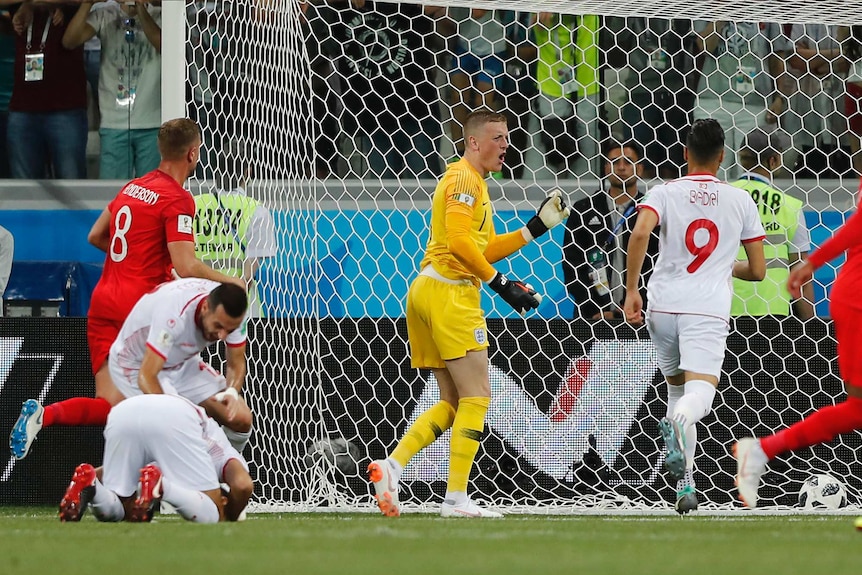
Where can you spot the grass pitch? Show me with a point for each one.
(33, 541)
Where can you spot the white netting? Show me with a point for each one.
(353, 112)
(825, 12)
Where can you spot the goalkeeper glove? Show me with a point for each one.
(551, 212)
(522, 297)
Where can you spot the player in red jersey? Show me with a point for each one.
(146, 231)
(752, 454)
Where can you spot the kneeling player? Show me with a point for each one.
(157, 447)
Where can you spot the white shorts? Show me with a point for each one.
(161, 429)
(688, 342)
(196, 380)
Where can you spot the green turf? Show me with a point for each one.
(32, 541)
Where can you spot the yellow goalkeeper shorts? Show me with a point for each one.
(444, 321)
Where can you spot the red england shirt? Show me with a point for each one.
(147, 214)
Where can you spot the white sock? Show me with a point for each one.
(106, 505)
(690, 447)
(687, 480)
(674, 393)
(456, 498)
(695, 403)
(239, 439)
(190, 504)
(395, 468)
(693, 406)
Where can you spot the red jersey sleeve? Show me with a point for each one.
(179, 218)
(847, 236)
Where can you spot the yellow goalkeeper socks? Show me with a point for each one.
(430, 425)
(466, 433)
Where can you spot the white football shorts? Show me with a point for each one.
(196, 380)
(688, 342)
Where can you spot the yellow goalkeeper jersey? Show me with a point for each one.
(461, 206)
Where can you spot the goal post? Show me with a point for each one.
(350, 114)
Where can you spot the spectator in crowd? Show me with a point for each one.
(47, 132)
(233, 231)
(391, 101)
(7, 75)
(657, 55)
(7, 253)
(736, 87)
(216, 89)
(518, 87)
(814, 86)
(567, 76)
(787, 241)
(853, 98)
(92, 63)
(130, 97)
(326, 109)
(477, 65)
(597, 234)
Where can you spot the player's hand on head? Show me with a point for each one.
(230, 399)
(552, 212)
(633, 308)
(522, 297)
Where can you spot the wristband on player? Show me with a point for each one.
(230, 391)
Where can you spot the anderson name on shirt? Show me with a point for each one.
(141, 193)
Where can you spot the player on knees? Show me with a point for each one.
(703, 221)
(167, 430)
(146, 231)
(229, 465)
(445, 323)
(826, 423)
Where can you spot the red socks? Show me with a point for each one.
(819, 427)
(77, 411)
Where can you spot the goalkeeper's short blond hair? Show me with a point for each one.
(479, 118)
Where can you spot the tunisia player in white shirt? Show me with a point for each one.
(703, 221)
(158, 349)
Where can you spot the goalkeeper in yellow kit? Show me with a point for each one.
(445, 323)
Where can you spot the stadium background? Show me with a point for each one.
(363, 257)
(776, 371)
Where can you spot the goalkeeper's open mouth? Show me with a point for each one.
(501, 159)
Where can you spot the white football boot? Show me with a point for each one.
(750, 465)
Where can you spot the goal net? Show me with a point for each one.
(349, 111)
